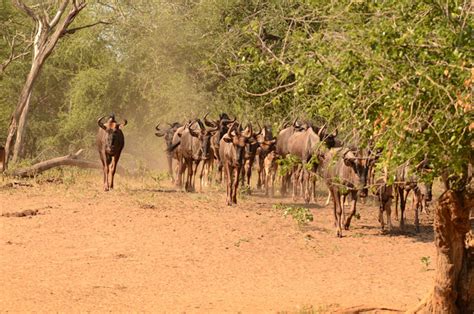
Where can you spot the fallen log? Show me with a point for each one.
(68, 160)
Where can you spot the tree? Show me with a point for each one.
(48, 33)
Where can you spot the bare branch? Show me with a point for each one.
(26, 9)
(271, 90)
(59, 13)
(73, 30)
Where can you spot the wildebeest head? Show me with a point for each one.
(204, 135)
(167, 133)
(329, 139)
(222, 124)
(360, 162)
(239, 139)
(113, 134)
(265, 139)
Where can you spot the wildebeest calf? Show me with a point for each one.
(110, 142)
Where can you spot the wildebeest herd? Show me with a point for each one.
(233, 150)
(226, 149)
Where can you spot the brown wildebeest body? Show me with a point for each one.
(304, 145)
(195, 147)
(110, 142)
(345, 171)
(283, 151)
(223, 126)
(266, 145)
(231, 151)
(168, 134)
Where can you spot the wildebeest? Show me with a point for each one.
(304, 145)
(231, 151)
(2, 158)
(345, 171)
(384, 193)
(110, 142)
(266, 145)
(283, 151)
(168, 136)
(196, 147)
(223, 126)
(407, 181)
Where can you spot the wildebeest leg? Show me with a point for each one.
(249, 171)
(381, 206)
(260, 171)
(170, 166)
(228, 180)
(105, 169)
(337, 212)
(403, 203)
(195, 170)
(113, 168)
(202, 175)
(285, 183)
(189, 177)
(328, 199)
(270, 177)
(219, 171)
(416, 206)
(313, 189)
(353, 210)
(294, 179)
(235, 186)
(388, 211)
(342, 200)
(396, 201)
(306, 185)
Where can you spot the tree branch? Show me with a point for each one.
(26, 9)
(73, 30)
(59, 13)
(271, 90)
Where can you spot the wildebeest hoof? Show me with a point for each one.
(339, 234)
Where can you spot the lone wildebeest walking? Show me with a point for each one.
(110, 142)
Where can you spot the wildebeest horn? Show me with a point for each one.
(335, 133)
(248, 131)
(209, 123)
(321, 130)
(99, 122)
(229, 131)
(157, 127)
(227, 121)
(260, 129)
(201, 125)
(294, 122)
(124, 123)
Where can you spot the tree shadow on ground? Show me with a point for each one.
(425, 235)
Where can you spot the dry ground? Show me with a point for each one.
(144, 248)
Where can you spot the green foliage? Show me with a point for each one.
(301, 215)
(426, 261)
(287, 164)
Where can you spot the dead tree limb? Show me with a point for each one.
(68, 160)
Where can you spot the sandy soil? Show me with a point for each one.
(141, 248)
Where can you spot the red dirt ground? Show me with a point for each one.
(140, 248)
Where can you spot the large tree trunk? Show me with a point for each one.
(20, 134)
(453, 290)
(47, 36)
